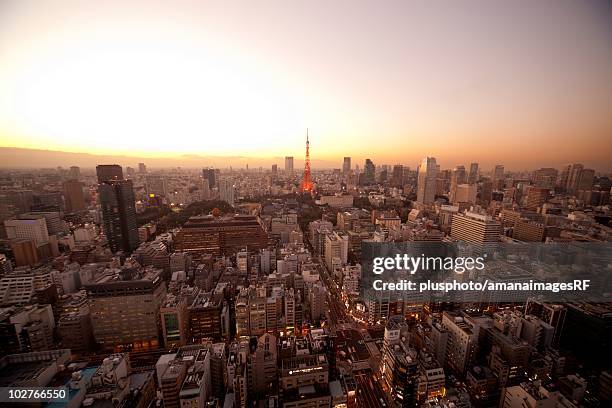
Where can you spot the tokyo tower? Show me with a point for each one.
(307, 179)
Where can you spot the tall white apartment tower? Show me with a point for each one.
(227, 190)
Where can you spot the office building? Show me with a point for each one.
(13, 202)
(212, 175)
(156, 185)
(73, 195)
(304, 370)
(227, 190)
(119, 214)
(75, 331)
(174, 317)
(34, 228)
(52, 218)
(397, 176)
(264, 366)
(346, 166)
(336, 250)
(546, 177)
(109, 172)
(369, 173)
(481, 230)
(399, 365)
(465, 193)
(208, 318)
(125, 308)
(25, 252)
(173, 375)
(142, 168)
(527, 230)
(458, 177)
(498, 177)
(426, 185)
(536, 196)
(220, 235)
(587, 177)
(74, 173)
(462, 341)
(473, 174)
(289, 164)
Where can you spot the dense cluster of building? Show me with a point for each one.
(264, 305)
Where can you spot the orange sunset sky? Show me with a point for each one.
(522, 83)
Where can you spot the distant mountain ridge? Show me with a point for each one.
(17, 157)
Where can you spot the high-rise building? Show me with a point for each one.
(486, 191)
(74, 173)
(528, 231)
(125, 308)
(586, 179)
(462, 341)
(473, 174)
(481, 230)
(573, 177)
(264, 365)
(119, 214)
(34, 228)
(227, 190)
(109, 172)
(336, 250)
(142, 169)
(399, 367)
(458, 176)
(157, 185)
(13, 202)
(536, 196)
(52, 218)
(290, 301)
(316, 299)
(185, 377)
(397, 176)
(174, 317)
(212, 176)
(24, 252)
(465, 193)
(73, 195)
(498, 177)
(346, 166)
(426, 185)
(289, 164)
(369, 173)
(205, 190)
(545, 178)
(274, 169)
(208, 317)
(74, 328)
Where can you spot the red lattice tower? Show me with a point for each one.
(307, 179)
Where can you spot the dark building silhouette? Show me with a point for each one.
(119, 214)
(212, 176)
(73, 195)
(107, 172)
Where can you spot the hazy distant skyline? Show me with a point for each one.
(522, 83)
(19, 158)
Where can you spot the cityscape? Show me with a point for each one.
(305, 204)
(243, 287)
